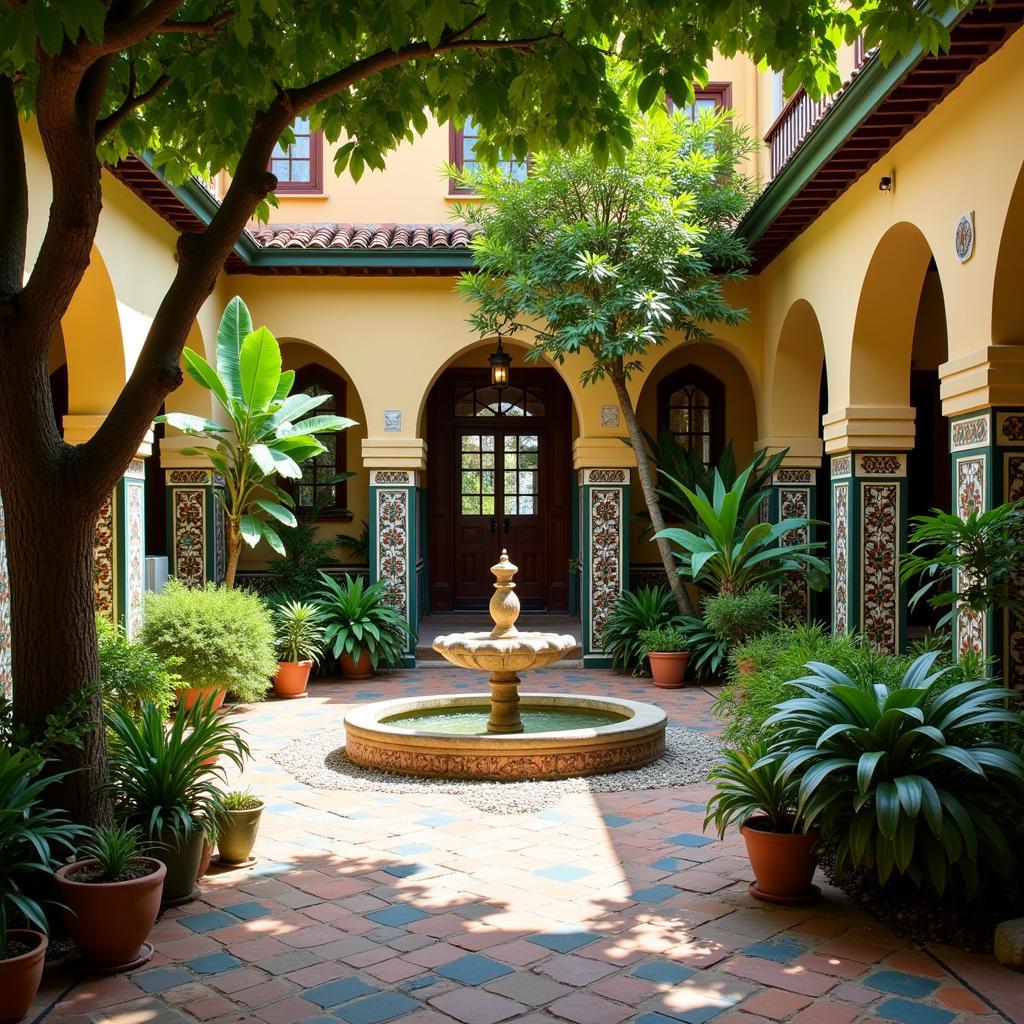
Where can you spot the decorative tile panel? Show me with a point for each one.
(188, 510)
(5, 611)
(795, 503)
(381, 477)
(1013, 482)
(793, 476)
(606, 476)
(606, 536)
(135, 561)
(841, 466)
(879, 559)
(104, 564)
(970, 497)
(393, 547)
(1011, 429)
(190, 476)
(840, 557)
(609, 415)
(220, 541)
(881, 465)
(969, 433)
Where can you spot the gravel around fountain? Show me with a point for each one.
(319, 760)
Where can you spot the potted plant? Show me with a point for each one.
(28, 833)
(209, 842)
(361, 629)
(300, 642)
(162, 782)
(221, 641)
(752, 792)
(666, 650)
(111, 899)
(632, 612)
(239, 824)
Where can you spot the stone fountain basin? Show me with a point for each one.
(638, 739)
(519, 652)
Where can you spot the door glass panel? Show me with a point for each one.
(477, 476)
(520, 460)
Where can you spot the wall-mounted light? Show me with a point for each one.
(886, 183)
(499, 360)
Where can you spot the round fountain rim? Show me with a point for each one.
(640, 719)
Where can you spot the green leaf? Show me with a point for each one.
(205, 375)
(271, 537)
(279, 512)
(259, 368)
(251, 530)
(235, 326)
(189, 424)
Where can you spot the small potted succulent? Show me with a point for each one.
(28, 834)
(752, 792)
(163, 781)
(111, 899)
(361, 629)
(240, 821)
(300, 642)
(666, 650)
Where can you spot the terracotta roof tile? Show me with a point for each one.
(362, 236)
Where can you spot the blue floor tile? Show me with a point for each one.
(782, 951)
(616, 820)
(213, 963)
(376, 1009)
(563, 942)
(663, 973)
(249, 911)
(554, 816)
(208, 922)
(423, 981)
(563, 873)
(694, 808)
(396, 916)
(436, 820)
(672, 864)
(161, 978)
(901, 984)
(474, 969)
(334, 993)
(691, 839)
(406, 870)
(410, 848)
(655, 894)
(906, 1012)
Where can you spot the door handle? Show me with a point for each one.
(508, 524)
(494, 526)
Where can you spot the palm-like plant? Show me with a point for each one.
(115, 848)
(632, 613)
(730, 557)
(749, 783)
(29, 832)
(910, 779)
(357, 618)
(268, 437)
(300, 632)
(163, 777)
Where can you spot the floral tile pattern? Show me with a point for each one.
(970, 497)
(795, 503)
(606, 529)
(840, 556)
(880, 533)
(393, 546)
(1014, 483)
(135, 506)
(188, 562)
(104, 566)
(5, 611)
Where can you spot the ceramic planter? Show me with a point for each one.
(20, 976)
(204, 860)
(189, 695)
(181, 855)
(783, 863)
(291, 678)
(352, 668)
(237, 835)
(668, 668)
(110, 921)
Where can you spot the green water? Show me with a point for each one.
(472, 720)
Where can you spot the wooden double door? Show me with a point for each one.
(499, 477)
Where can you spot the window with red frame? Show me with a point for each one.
(299, 168)
(319, 487)
(713, 96)
(462, 154)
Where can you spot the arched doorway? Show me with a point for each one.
(499, 475)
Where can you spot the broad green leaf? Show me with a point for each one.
(279, 512)
(235, 325)
(270, 535)
(250, 527)
(205, 375)
(259, 368)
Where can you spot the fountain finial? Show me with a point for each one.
(504, 606)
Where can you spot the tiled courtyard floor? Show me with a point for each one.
(605, 908)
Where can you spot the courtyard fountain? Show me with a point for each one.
(505, 735)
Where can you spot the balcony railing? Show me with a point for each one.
(799, 117)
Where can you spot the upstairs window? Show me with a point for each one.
(462, 154)
(713, 96)
(299, 168)
(319, 487)
(691, 404)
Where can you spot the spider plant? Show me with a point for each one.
(632, 613)
(300, 633)
(114, 848)
(748, 784)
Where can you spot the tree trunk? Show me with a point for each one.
(643, 471)
(234, 540)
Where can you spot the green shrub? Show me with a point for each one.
(633, 612)
(130, 673)
(912, 778)
(664, 639)
(222, 637)
(749, 784)
(736, 617)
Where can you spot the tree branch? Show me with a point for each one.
(119, 35)
(207, 27)
(13, 195)
(131, 103)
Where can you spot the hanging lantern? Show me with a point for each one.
(499, 360)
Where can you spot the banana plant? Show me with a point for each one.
(264, 437)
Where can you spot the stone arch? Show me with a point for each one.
(882, 345)
(794, 378)
(1008, 283)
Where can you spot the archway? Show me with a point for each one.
(499, 475)
(1008, 295)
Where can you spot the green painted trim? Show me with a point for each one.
(874, 82)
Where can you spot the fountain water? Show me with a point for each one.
(506, 736)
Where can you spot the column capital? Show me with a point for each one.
(394, 453)
(80, 427)
(804, 452)
(872, 428)
(602, 453)
(989, 376)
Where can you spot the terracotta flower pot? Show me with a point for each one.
(20, 976)
(204, 860)
(291, 678)
(109, 921)
(188, 695)
(237, 835)
(783, 863)
(182, 856)
(356, 669)
(668, 668)
(745, 666)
